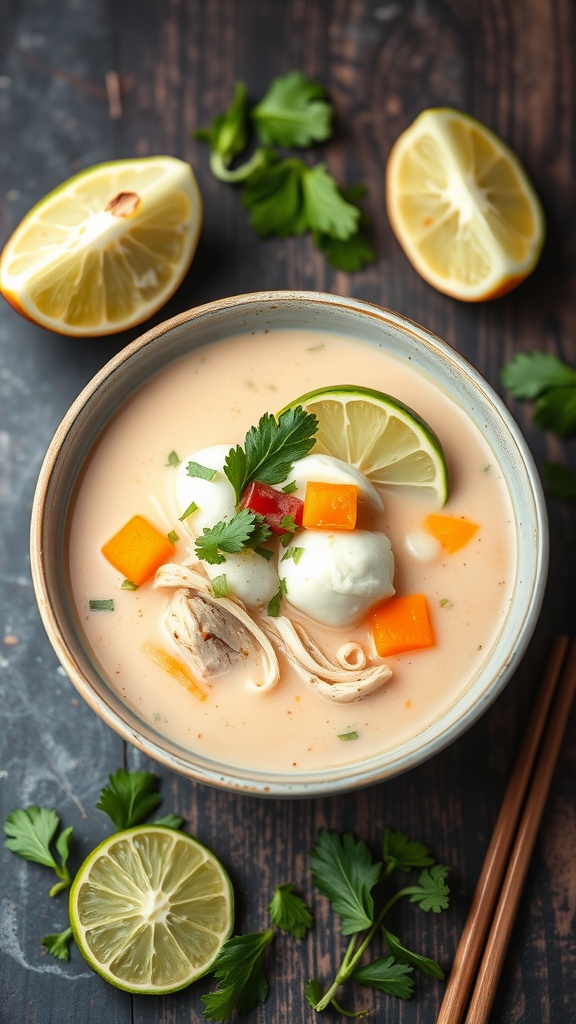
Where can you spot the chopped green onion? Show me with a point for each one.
(264, 552)
(128, 585)
(173, 459)
(294, 553)
(191, 508)
(291, 487)
(173, 537)
(352, 735)
(220, 586)
(107, 605)
(196, 469)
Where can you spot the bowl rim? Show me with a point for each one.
(351, 776)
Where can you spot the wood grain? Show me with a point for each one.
(511, 65)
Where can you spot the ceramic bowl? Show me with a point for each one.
(127, 371)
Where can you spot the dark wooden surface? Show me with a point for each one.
(511, 64)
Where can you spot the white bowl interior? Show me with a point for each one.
(392, 333)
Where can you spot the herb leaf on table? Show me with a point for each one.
(31, 831)
(242, 980)
(289, 912)
(343, 870)
(129, 798)
(293, 113)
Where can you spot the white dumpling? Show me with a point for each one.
(249, 576)
(326, 469)
(215, 498)
(338, 576)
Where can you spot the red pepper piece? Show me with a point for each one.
(273, 505)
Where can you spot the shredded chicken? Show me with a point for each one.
(214, 633)
(344, 681)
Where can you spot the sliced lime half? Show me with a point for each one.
(150, 909)
(386, 440)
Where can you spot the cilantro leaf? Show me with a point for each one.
(270, 449)
(402, 852)
(59, 944)
(325, 207)
(289, 912)
(350, 254)
(528, 374)
(343, 870)
(559, 481)
(242, 981)
(196, 469)
(294, 553)
(273, 198)
(30, 831)
(431, 891)
(170, 821)
(555, 410)
(387, 975)
(273, 609)
(313, 992)
(227, 136)
(228, 535)
(423, 963)
(129, 797)
(293, 112)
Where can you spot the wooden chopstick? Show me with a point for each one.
(498, 863)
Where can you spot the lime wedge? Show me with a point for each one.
(106, 249)
(379, 435)
(150, 909)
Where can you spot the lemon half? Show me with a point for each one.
(380, 436)
(150, 909)
(462, 206)
(106, 249)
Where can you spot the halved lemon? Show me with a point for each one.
(150, 909)
(379, 435)
(106, 249)
(462, 206)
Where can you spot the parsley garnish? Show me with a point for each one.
(551, 384)
(271, 448)
(31, 832)
(198, 470)
(343, 869)
(284, 195)
(274, 604)
(549, 381)
(245, 529)
(239, 965)
(294, 553)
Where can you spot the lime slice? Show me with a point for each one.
(462, 206)
(106, 249)
(150, 909)
(388, 442)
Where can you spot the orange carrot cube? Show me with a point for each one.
(138, 549)
(402, 624)
(330, 506)
(453, 532)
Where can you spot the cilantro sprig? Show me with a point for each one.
(551, 384)
(128, 799)
(244, 530)
(283, 195)
(239, 966)
(344, 871)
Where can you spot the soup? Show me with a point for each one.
(212, 396)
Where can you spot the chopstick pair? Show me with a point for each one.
(480, 955)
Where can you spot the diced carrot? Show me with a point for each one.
(330, 506)
(453, 532)
(402, 624)
(138, 549)
(175, 668)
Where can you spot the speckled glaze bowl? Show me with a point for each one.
(127, 371)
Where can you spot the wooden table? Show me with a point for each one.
(509, 64)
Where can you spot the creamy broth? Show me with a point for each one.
(212, 396)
